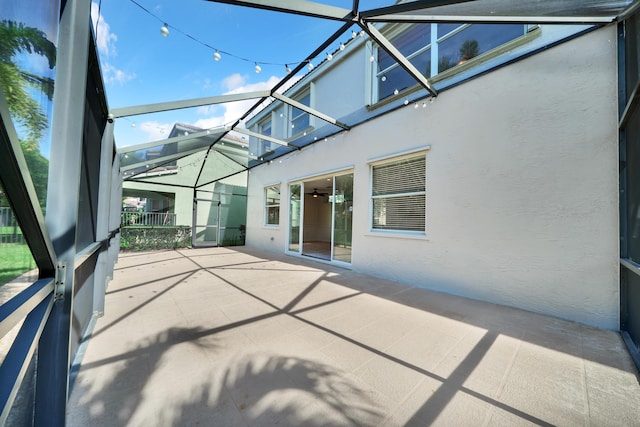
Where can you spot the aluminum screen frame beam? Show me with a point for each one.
(309, 110)
(260, 136)
(189, 103)
(296, 7)
(133, 148)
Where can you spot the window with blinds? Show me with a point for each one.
(398, 191)
(272, 205)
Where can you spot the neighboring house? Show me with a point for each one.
(504, 189)
(217, 193)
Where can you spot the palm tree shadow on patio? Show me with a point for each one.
(270, 389)
(114, 394)
(146, 386)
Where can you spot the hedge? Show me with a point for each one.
(151, 238)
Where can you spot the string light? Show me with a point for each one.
(353, 34)
(310, 66)
(258, 68)
(406, 102)
(396, 91)
(164, 30)
(372, 58)
(217, 56)
(329, 57)
(342, 46)
(383, 78)
(287, 69)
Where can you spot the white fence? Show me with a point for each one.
(9, 230)
(147, 218)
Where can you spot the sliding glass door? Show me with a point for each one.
(320, 217)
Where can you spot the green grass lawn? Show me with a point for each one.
(15, 259)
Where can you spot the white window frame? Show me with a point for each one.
(413, 155)
(270, 204)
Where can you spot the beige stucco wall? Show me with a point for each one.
(522, 185)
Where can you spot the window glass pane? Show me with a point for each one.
(28, 33)
(473, 41)
(272, 204)
(396, 79)
(294, 217)
(16, 261)
(343, 217)
(444, 29)
(299, 118)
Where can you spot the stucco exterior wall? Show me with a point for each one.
(522, 184)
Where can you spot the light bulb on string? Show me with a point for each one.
(416, 105)
(217, 56)
(353, 34)
(310, 66)
(342, 46)
(383, 78)
(372, 58)
(424, 105)
(361, 33)
(431, 100)
(133, 124)
(287, 69)
(258, 68)
(164, 30)
(329, 57)
(395, 91)
(406, 102)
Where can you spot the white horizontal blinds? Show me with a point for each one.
(399, 197)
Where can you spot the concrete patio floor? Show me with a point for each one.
(237, 337)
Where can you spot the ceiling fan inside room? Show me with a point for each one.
(316, 193)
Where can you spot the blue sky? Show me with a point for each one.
(140, 66)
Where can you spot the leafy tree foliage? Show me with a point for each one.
(17, 85)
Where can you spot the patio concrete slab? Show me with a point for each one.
(238, 337)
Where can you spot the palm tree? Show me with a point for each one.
(468, 50)
(16, 38)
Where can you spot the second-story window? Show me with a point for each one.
(264, 146)
(299, 118)
(435, 48)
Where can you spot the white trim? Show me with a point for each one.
(335, 171)
(399, 154)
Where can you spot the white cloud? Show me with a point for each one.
(105, 39)
(218, 115)
(111, 74)
(233, 82)
(155, 130)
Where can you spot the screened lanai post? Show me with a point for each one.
(385, 44)
(103, 215)
(52, 383)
